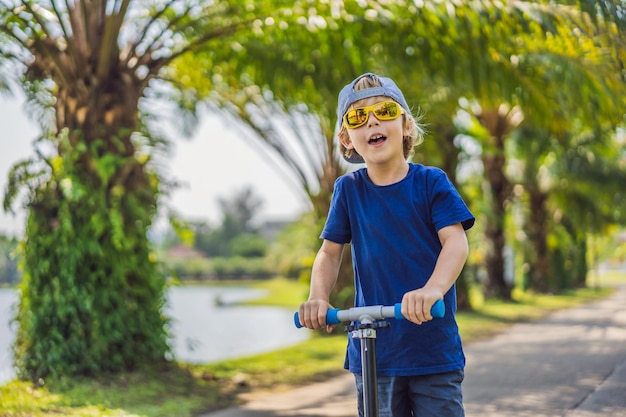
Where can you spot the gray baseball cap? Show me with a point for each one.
(347, 96)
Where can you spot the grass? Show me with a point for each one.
(280, 292)
(171, 390)
(606, 278)
(494, 316)
(184, 390)
(315, 360)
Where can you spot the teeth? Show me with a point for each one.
(376, 137)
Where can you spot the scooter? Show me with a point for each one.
(365, 321)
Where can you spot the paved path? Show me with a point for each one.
(570, 364)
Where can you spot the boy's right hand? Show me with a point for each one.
(312, 314)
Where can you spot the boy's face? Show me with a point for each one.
(377, 141)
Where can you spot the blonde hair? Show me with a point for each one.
(414, 131)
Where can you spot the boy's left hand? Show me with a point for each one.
(416, 304)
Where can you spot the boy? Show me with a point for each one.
(406, 224)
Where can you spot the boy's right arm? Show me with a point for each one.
(324, 274)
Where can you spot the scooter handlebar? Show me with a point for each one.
(336, 316)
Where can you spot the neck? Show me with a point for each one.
(387, 175)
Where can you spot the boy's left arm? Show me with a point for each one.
(416, 304)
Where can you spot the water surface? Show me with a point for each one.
(206, 325)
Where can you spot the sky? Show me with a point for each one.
(214, 163)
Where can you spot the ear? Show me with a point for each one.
(409, 127)
(344, 138)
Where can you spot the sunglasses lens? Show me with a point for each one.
(386, 110)
(356, 117)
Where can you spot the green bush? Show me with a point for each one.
(249, 245)
(189, 268)
(92, 291)
(238, 267)
(220, 268)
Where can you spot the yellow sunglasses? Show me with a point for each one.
(384, 110)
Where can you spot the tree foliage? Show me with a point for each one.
(503, 64)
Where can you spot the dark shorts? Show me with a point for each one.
(436, 395)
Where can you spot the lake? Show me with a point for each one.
(206, 325)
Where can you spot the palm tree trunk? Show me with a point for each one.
(499, 122)
(494, 227)
(540, 270)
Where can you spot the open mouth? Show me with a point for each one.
(375, 140)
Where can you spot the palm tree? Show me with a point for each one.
(92, 293)
(582, 193)
(590, 128)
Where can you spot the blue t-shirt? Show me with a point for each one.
(393, 231)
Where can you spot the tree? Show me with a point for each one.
(548, 152)
(236, 234)
(591, 201)
(92, 293)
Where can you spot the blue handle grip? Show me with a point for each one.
(336, 316)
(438, 310)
